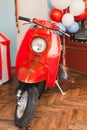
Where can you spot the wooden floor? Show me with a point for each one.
(54, 111)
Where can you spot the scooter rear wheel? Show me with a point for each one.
(26, 107)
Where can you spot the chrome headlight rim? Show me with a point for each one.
(38, 45)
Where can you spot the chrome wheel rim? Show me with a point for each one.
(22, 103)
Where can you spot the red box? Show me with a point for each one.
(5, 63)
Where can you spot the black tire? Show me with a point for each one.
(30, 97)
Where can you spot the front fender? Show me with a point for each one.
(33, 72)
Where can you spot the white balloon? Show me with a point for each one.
(61, 4)
(77, 7)
(68, 19)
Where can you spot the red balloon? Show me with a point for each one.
(82, 16)
(56, 15)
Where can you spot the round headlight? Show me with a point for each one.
(38, 45)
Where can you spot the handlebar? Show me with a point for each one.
(44, 23)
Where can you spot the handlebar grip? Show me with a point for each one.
(25, 19)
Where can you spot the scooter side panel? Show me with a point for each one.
(53, 59)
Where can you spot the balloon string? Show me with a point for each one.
(64, 74)
(64, 59)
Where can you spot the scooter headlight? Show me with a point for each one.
(38, 45)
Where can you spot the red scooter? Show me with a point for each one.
(36, 67)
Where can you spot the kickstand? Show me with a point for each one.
(62, 92)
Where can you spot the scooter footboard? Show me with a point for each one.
(33, 72)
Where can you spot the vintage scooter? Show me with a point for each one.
(36, 67)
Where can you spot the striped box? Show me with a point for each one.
(5, 63)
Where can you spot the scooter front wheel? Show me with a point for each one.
(26, 107)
